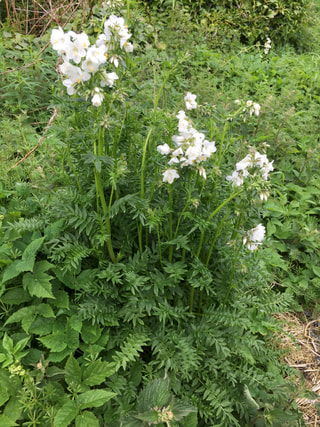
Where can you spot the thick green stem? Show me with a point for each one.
(212, 215)
(170, 222)
(104, 206)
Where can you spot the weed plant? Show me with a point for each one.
(132, 296)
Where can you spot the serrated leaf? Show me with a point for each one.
(149, 416)
(97, 372)
(75, 323)
(38, 283)
(31, 250)
(7, 343)
(87, 419)
(45, 310)
(25, 315)
(13, 408)
(16, 296)
(61, 299)
(66, 414)
(55, 342)
(24, 264)
(72, 371)
(94, 398)
(190, 420)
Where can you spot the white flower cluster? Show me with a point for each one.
(253, 108)
(252, 160)
(81, 59)
(267, 46)
(254, 237)
(191, 148)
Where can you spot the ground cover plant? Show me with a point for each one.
(135, 269)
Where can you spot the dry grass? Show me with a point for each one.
(302, 340)
(35, 17)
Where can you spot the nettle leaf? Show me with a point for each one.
(24, 264)
(97, 372)
(94, 398)
(75, 323)
(4, 396)
(6, 421)
(38, 283)
(72, 371)
(87, 419)
(66, 414)
(16, 296)
(55, 341)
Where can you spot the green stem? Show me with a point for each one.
(191, 300)
(217, 233)
(72, 167)
(221, 143)
(170, 222)
(232, 273)
(212, 215)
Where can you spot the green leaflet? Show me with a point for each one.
(26, 263)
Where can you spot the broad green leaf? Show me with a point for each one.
(66, 414)
(24, 264)
(75, 323)
(13, 408)
(55, 341)
(149, 416)
(94, 398)
(38, 283)
(6, 421)
(73, 371)
(20, 314)
(4, 396)
(31, 250)
(7, 343)
(45, 310)
(97, 372)
(316, 270)
(87, 419)
(61, 299)
(16, 296)
(190, 420)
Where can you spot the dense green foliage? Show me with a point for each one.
(250, 20)
(130, 301)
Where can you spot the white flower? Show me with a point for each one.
(267, 46)
(97, 54)
(244, 163)
(235, 178)
(249, 103)
(264, 196)
(97, 97)
(108, 79)
(164, 149)
(190, 101)
(202, 172)
(58, 40)
(115, 60)
(170, 175)
(254, 237)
